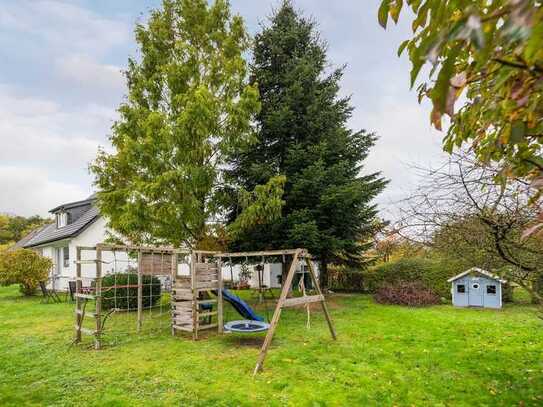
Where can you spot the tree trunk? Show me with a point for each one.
(537, 288)
(284, 272)
(323, 275)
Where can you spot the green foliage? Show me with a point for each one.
(433, 274)
(345, 279)
(492, 51)
(14, 228)
(24, 267)
(188, 105)
(120, 290)
(260, 206)
(303, 136)
(470, 242)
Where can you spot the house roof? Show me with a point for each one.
(51, 233)
(29, 236)
(75, 204)
(480, 271)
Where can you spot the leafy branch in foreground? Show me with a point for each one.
(491, 52)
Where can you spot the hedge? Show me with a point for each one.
(342, 279)
(120, 291)
(432, 274)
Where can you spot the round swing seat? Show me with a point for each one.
(246, 326)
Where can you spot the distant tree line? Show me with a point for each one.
(13, 228)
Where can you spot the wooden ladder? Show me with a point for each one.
(81, 300)
(187, 313)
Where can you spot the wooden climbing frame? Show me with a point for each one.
(205, 275)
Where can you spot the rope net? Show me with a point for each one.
(122, 286)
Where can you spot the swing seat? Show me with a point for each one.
(246, 326)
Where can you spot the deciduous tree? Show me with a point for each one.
(491, 52)
(188, 105)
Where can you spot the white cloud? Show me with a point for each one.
(41, 140)
(28, 191)
(64, 26)
(86, 72)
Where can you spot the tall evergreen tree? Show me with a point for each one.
(303, 135)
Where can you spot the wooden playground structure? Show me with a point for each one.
(196, 292)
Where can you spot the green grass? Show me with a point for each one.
(384, 355)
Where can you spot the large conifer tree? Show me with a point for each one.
(303, 135)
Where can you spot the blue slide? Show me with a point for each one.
(241, 306)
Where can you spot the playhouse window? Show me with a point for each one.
(461, 288)
(491, 289)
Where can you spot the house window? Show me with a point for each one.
(62, 219)
(66, 256)
(491, 289)
(475, 286)
(461, 288)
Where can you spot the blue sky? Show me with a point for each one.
(61, 82)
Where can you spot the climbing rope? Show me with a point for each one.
(301, 287)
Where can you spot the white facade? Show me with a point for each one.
(271, 276)
(64, 269)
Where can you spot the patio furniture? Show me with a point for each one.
(48, 294)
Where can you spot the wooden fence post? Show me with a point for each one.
(98, 299)
(140, 290)
(78, 289)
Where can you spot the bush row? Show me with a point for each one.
(413, 294)
(432, 274)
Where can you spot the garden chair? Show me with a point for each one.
(71, 291)
(48, 295)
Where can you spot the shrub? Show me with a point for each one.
(344, 279)
(411, 293)
(432, 274)
(24, 267)
(120, 290)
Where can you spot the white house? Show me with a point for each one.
(80, 224)
(76, 224)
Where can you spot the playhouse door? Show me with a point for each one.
(475, 294)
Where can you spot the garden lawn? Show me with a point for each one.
(384, 355)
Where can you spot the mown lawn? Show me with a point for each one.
(385, 355)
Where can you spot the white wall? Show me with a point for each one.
(272, 271)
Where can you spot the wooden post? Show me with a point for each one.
(194, 286)
(78, 289)
(220, 321)
(319, 292)
(140, 290)
(98, 299)
(277, 313)
(175, 263)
